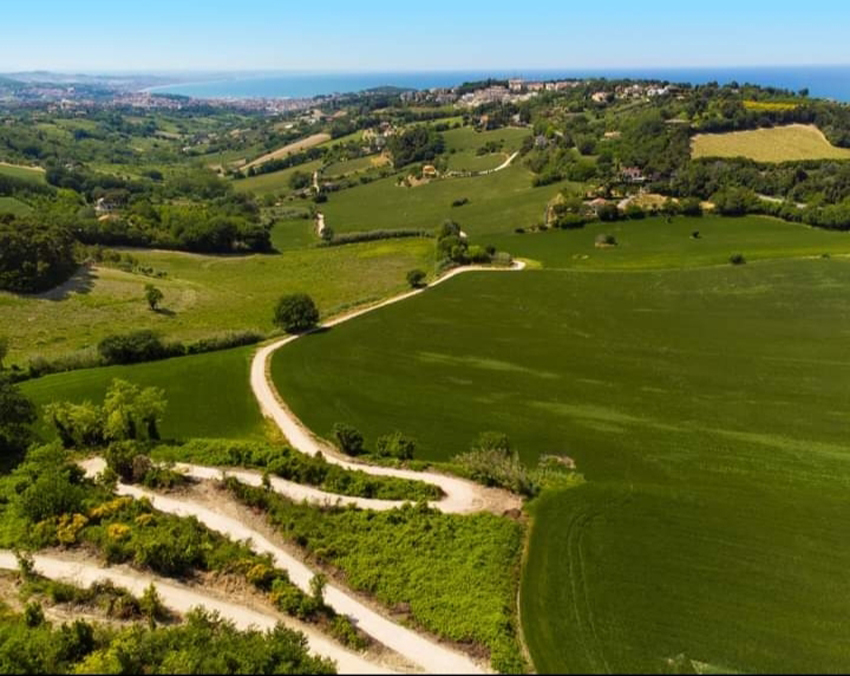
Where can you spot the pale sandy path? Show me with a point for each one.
(183, 599)
(462, 496)
(303, 144)
(430, 655)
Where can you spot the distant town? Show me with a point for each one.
(68, 93)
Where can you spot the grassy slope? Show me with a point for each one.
(499, 202)
(466, 138)
(777, 144)
(654, 243)
(207, 294)
(9, 205)
(278, 180)
(208, 394)
(26, 173)
(707, 408)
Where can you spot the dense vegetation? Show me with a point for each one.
(453, 575)
(34, 255)
(291, 465)
(204, 643)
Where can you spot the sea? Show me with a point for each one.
(831, 82)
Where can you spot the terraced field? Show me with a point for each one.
(775, 144)
(707, 409)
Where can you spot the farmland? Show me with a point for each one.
(656, 244)
(289, 149)
(709, 428)
(26, 173)
(206, 294)
(775, 144)
(9, 205)
(208, 394)
(498, 203)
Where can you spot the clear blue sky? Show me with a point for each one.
(376, 35)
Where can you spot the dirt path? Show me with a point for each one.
(462, 496)
(423, 652)
(303, 144)
(182, 599)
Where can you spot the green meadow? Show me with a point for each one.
(204, 294)
(707, 408)
(9, 205)
(21, 172)
(467, 138)
(208, 394)
(263, 184)
(655, 243)
(498, 203)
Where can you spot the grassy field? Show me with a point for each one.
(207, 294)
(498, 203)
(777, 144)
(9, 205)
(654, 243)
(466, 138)
(26, 173)
(707, 408)
(289, 149)
(208, 394)
(468, 160)
(354, 166)
(275, 181)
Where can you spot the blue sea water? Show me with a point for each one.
(822, 81)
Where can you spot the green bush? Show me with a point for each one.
(138, 346)
(415, 278)
(395, 445)
(296, 312)
(737, 259)
(348, 438)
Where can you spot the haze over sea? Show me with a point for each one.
(822, 81)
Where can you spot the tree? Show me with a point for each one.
(348, 438)
(737, 259)
(395, 445)
(415, 278)
(127, 410)
(296, 313)
(17, 413)
(153, 296)
(4, 350)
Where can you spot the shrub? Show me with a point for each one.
(604, 239)
(224, 341)
(348, 438)
(296, 312)
(373, 235)
(492, 462)
(460, 202)
(608, 212)
(138, 346)
(634, 212)
(395, 445)
(691, 207)
(737, 259)
(415, 278)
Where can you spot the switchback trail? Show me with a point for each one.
(461, 496)
(182, 599)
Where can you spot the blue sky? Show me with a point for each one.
(180, 35)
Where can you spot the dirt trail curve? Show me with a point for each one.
(182, 599)
(461, 496)
(428, 654)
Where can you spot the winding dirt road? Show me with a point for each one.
(461, 496)
(182, 599)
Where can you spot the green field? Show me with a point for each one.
(9, 205)
(466, 138)
(654, 243)
(706, 407)
(207, 294)
(274, 182)
(25, 173)
(775, 144)
(468, 160)
(354, 166)
(498, 203)
(208, 394)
